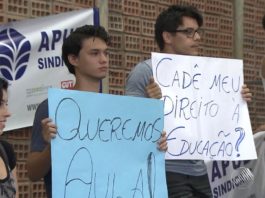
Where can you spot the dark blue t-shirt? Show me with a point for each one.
(37, 142)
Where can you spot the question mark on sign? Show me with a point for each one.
(240, 139)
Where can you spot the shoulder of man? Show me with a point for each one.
(43, 108)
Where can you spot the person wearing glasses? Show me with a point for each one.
(177, 31)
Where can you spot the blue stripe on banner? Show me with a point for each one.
(97, 23)
(96, 16)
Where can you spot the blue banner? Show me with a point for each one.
(106, 145)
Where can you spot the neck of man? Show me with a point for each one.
(87, 85)
(167, 50)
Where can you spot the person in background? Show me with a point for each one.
(85, 53)
(8, 175)
(262, 75)
(177, 31)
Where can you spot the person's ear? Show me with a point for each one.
(167, 37)
(73, 59)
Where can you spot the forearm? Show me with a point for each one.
(39, 163)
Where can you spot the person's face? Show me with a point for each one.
(181, 42)
(93, 59)
(4, 113)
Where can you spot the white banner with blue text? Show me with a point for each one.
(206, 116)
(31, 60)
(244, 179)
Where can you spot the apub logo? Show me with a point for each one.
(14, 54)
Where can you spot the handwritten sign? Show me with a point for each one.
(205, 115)
(244, 179)
(106, 146)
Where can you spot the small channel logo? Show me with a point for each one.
(67, 84)
(242, 177)
(15, 52)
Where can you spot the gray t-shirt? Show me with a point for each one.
(137, 80)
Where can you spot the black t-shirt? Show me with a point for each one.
(37, 142)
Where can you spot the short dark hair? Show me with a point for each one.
(73, 43)
(263, 22)
(171, 18)
(3, 86)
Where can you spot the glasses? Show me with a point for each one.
(190, 32)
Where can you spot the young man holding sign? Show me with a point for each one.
(85, 53)
(177, 31)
